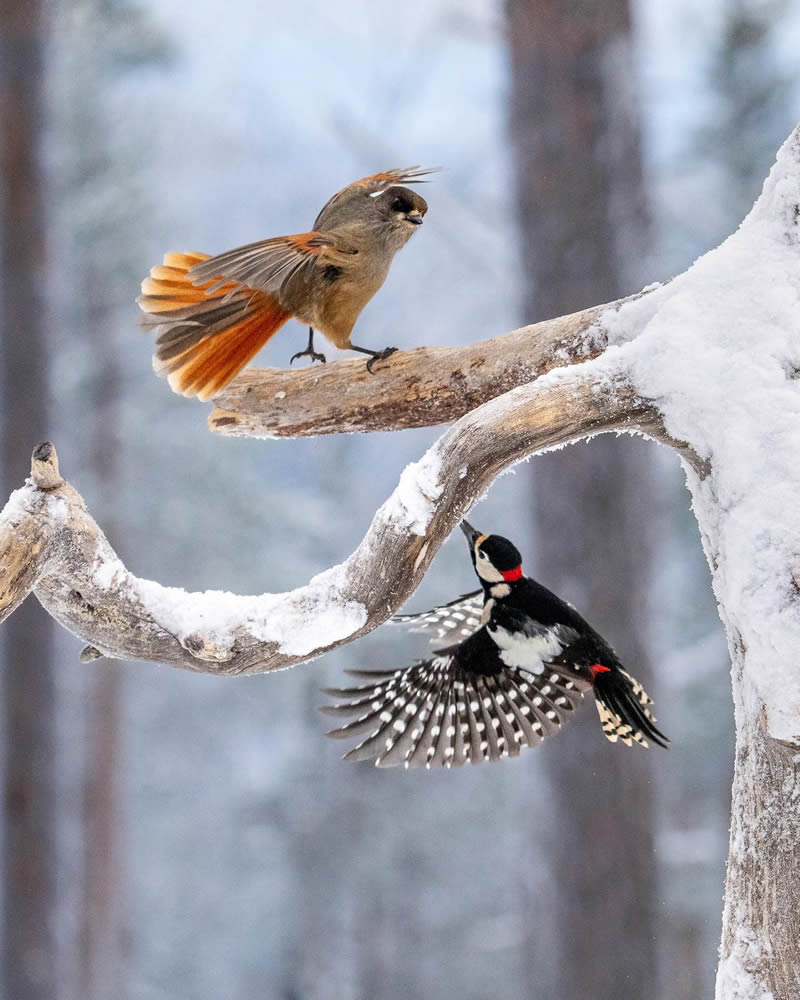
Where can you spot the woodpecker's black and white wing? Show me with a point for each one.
(451, 622)
(458, 707)
(623, 707)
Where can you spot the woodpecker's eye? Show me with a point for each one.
(482, 554)
(401, 205)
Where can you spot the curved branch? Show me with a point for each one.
(81, 582)
(419, 388)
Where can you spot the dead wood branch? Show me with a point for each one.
(419, 388)
(54, 546)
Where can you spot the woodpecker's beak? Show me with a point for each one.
(415, 216)
(470, 532)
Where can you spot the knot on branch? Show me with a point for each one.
(44, 467)
(203, 649)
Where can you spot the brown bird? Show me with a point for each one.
(214, 314)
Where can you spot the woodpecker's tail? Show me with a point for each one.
(436, 714)
(622, 705)
(208, 332)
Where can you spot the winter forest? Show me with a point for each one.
(168, 834)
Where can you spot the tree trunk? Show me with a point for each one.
(100, 946)
(580, 198)
(761, 923)
(29, 836)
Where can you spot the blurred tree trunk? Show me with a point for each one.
(101, 970)
(98, 43)
(583, 224)
(28, 966)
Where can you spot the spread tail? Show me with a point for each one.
(622, 704)
(206, 333)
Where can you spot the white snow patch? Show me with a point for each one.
(719, 350)
(107, 570)
(58, 508)
(411, 505)
(734, 982)
(298, 621)
(17, 504)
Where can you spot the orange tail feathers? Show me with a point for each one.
(204, 338)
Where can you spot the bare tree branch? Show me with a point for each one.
(81, 582)
(419, 388)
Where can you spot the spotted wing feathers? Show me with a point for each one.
(437, 714)
(453, 621)
(622, 704)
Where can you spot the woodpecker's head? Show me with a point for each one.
(496, 560)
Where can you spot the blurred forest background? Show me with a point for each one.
(166, 835)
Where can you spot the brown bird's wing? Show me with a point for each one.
(204, 336)
(214, 314)
(265, 266)
(377, 182)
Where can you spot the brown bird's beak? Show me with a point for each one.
(415, 216)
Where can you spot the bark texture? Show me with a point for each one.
(760, 948)
(419, 388)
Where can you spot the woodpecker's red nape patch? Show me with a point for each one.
(512, 574)
(598, 668)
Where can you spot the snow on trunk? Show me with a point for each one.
(720, 356)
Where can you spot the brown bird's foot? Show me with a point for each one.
(309, 352)
(375, 355)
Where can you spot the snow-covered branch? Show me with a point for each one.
(57, 550)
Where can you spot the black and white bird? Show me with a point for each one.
(515, 662)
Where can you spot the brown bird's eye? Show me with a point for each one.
(401, 205)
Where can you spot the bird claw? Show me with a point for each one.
(307, 353)
(379, 356)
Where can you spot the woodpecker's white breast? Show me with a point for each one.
(528, 651)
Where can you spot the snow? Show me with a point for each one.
(718, 348)
(314, 615)
(58, 508)
(107, 570)
(298, 622)
(17, 504)
(734, 981)
(411, 505)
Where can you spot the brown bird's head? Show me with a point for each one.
(400, 208)
(381, 202)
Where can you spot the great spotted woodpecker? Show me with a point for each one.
(522, 662)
